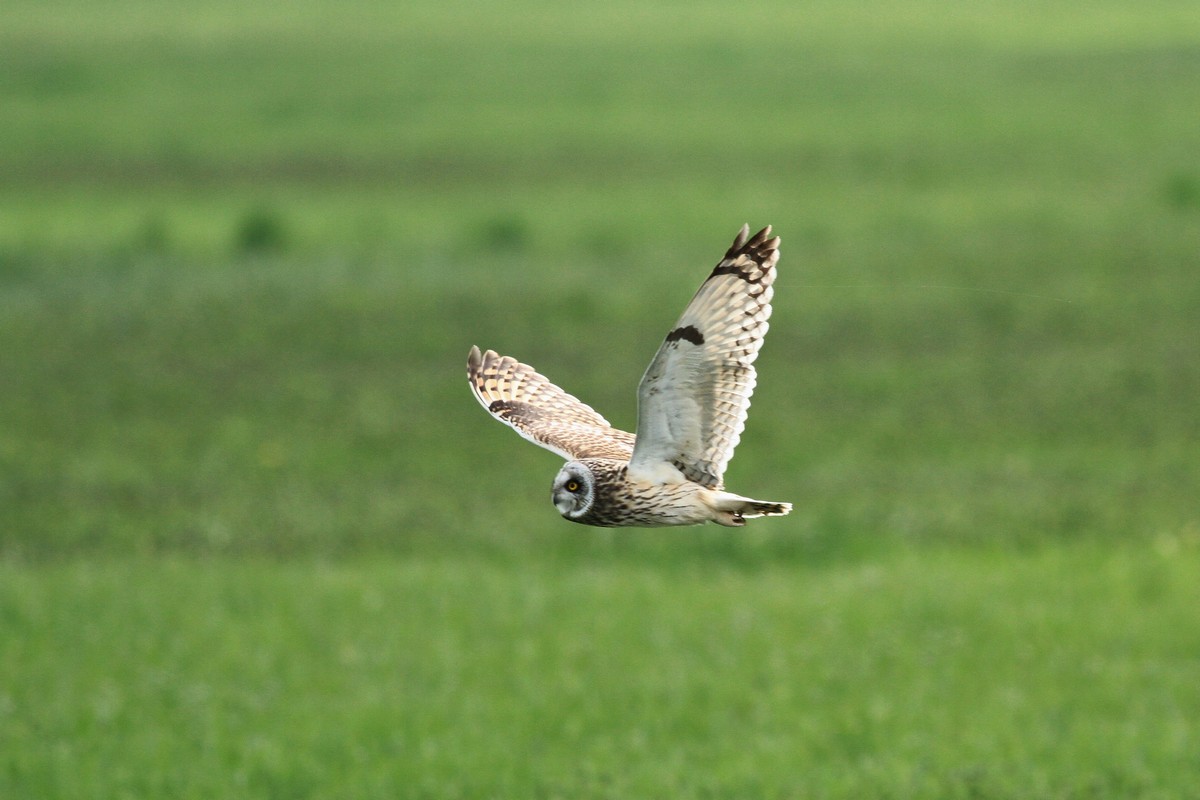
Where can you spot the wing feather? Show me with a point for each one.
(527, 401)
(694, 397)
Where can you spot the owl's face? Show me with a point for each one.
(574, 490)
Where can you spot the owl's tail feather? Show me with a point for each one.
(732, 510)
(759, 508)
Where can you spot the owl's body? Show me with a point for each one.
(647, 503)
(692, 405)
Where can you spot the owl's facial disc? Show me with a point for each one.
(572, 492)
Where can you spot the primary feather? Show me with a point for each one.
(695, 395)
(519, 396)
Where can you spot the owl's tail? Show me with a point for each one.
(732, 510)
(759, 508)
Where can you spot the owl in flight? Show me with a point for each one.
(692, 405)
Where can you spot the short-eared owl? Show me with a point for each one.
(692, 405)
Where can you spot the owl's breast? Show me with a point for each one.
(631, 501)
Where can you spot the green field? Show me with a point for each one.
(257, 539)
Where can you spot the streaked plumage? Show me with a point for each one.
(692, 407)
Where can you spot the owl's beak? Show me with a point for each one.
(564, 501)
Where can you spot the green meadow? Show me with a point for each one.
(258, 540)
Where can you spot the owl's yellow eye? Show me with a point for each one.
(572, 486)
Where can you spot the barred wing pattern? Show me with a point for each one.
(694, 397)
(520, 397)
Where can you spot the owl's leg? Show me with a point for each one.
(730, 519)
(732, 510)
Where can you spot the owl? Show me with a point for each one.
(692, 404)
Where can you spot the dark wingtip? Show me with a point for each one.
(739, 241)
(762, 248)
(760, 243)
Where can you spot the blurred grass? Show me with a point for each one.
(585, 124)
(256, 537)
(1068, 674)
(245, 251)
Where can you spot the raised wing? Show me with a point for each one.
(693, 399)
(518, 396)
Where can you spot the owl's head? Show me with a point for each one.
(574, 490)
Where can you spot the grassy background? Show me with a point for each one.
(256, 539)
